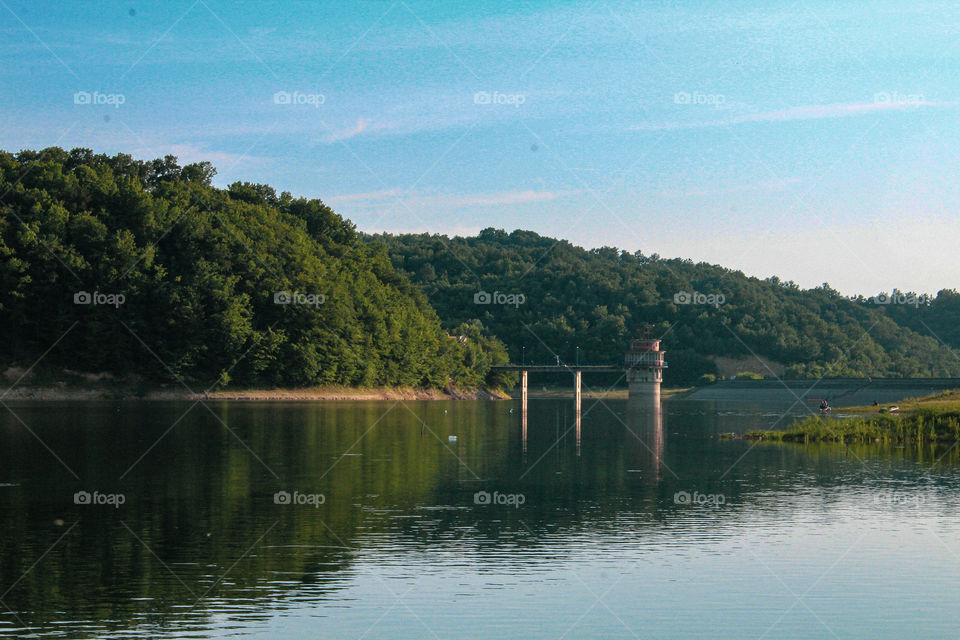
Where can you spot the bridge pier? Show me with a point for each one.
(645, 390)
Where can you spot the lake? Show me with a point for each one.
(365, 520)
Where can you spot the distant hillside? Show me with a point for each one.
(117, 265)
(597, 300)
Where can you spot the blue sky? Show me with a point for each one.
(814, 141)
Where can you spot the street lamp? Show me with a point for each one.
(578, 356)
(523, 355)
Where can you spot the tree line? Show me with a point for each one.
(143, 268)
(112, 264)
(588, 304)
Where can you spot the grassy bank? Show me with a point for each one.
(941, 401)
(922, 425)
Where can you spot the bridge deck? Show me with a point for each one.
(561, 368)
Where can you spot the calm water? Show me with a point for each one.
(651, 527)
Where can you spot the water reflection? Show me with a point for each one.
(645, 421)
(201, 542)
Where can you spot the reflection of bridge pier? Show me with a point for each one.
(524, 394)
(644, 421)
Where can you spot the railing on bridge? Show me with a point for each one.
(565, 366)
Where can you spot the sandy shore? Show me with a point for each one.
(63, 393)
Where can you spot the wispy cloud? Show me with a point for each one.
(357, 129)
(445, 200)
(802, 112)
(368, 197)
(498, 198)
(187, 153)
(775, 185)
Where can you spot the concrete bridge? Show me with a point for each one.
(643, 364)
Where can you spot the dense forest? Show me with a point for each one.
(142, 268)
(110, 264)
(596, 300)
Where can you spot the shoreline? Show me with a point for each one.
(62, 393)
(309, 394)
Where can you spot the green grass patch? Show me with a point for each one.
(923, 425)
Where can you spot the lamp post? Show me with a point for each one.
(523, 355)
(578, 356)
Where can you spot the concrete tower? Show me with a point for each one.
(645, 367)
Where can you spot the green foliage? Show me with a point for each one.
(938, 316)
(199, 268)
(748, 375)
(598, 299)
(479, 352)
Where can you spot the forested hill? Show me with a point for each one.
(597, 300)
(110, 264)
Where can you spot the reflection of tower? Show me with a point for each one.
(645, 367)
(523, 408)
(645, 420)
